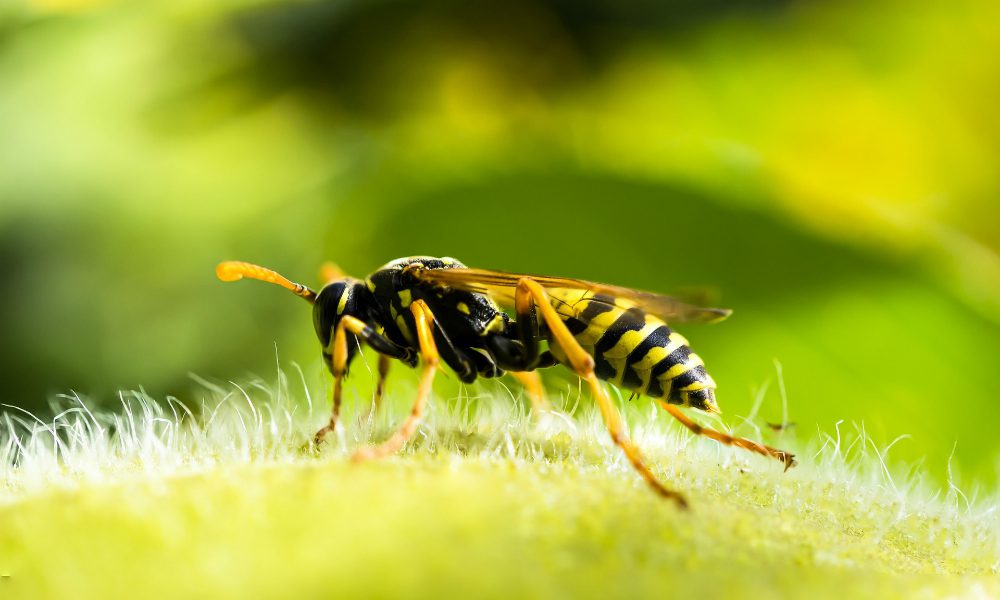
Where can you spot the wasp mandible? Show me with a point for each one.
(433, 310)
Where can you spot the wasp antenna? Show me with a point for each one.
(234, 270)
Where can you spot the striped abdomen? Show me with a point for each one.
(634, 350)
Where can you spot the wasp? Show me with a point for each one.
(425, 310)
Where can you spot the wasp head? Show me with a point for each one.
(338, 298)
(341, 296)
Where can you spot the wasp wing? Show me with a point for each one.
(501, 285)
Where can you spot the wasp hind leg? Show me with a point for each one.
(724, 438)
(428, 351)
(530, 295)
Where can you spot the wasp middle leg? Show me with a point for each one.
(429, 353)
(531, 296)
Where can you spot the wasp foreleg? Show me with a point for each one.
(338, 362)
(383, 373)
(384, 363)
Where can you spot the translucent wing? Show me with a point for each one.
(500, 286)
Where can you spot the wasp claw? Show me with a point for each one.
(789, 460)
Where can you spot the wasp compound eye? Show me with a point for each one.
(333, 301)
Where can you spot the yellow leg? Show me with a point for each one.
(786, 457)
(530, 291)
(532, 383)
(339, 368)
(383, 373)
(428, 350)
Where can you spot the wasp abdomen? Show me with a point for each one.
(632, 349)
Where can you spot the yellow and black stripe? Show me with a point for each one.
(633, 349)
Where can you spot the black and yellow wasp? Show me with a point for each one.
(437, 309)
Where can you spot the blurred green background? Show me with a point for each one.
(828, 168)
